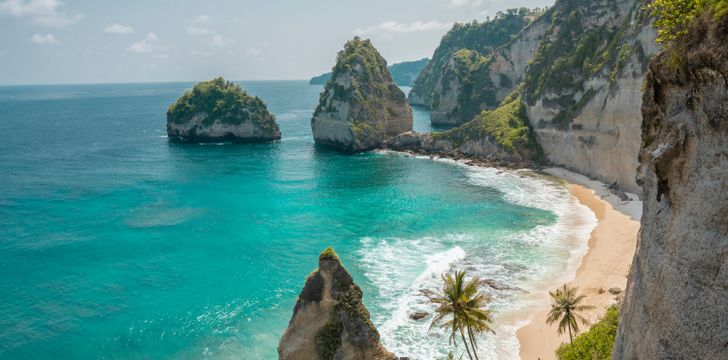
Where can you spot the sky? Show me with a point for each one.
(98, 41)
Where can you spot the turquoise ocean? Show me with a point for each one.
(116, 244)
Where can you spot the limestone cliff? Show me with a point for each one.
(467, 74)
(582, 89)
(219, 110)
(676, 304)
(361, 106)
(329, 320)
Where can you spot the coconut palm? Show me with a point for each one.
(565, 309)
(461, 309)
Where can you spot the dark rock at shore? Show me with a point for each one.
(419, 315)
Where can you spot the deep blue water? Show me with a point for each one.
(116, 244)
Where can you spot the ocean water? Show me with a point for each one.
(116, 244)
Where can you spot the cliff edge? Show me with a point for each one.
(329, 320)
(676, 304)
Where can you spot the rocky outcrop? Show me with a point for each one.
(467, 74)
(583, 87)
(676, 302)
(361, 106)
(219, 110)
(329, 320)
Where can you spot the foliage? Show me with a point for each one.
(328, 340)
(461, 309)
(565, 310)
(328, 254)
(673, 17)
(222, 100)
(507, 125)
(595, 344)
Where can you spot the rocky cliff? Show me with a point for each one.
(499, 137)
(676, 304)
(361, 106)
(329, 320)
(582, 89)
(466, 75)
(219, 110)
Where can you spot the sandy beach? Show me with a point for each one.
(606, 264)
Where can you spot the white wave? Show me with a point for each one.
(535, 260)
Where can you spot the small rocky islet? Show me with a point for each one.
(220, 111)
(361, 106)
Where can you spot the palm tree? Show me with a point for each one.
(565, 309)
(461, 309)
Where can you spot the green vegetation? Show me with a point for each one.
(328, 254)
(673, 17)
(507, 125)
(461, 309)
(595, 344)
(222, 100)
(565, 310)
(481, 38)
(328, 340)
(404, 73)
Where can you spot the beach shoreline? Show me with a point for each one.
(611, 246)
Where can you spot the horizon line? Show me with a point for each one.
(139, 82)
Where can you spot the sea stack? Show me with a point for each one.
(361, 106)
(220, 111)
(329, 320)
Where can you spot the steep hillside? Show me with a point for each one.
(676, 304)
(457, 84)
(404, 73)
(582, 89)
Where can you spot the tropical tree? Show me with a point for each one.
(565, 309)
(461, 309)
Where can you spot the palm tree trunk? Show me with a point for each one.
(571, 338)
(462, 335)
(472, 343)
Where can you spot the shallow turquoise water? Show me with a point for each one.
(116, 244)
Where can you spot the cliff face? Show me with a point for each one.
(361, 106)
(463, 78)
(329, 320)
(219, 110)
(676, 304)
(582, 89)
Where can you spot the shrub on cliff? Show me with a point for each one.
(594, 344)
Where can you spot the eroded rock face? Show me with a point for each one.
(587, 117)
(329, 320)
(218, 110)
(361, 106)
(676, 302)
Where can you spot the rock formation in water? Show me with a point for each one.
(403, 74)
(219, 110)
(467, 74)
(329, 320)
(676, 303)
(361, 106)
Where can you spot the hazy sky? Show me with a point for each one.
(91, 41)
